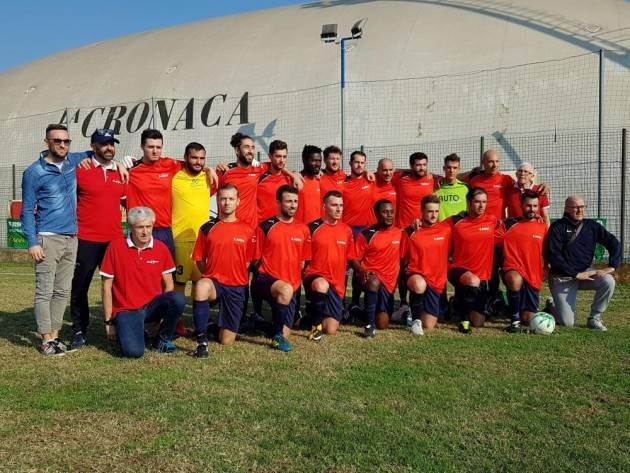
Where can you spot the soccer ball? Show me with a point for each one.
(542, 323)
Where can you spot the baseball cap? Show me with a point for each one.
(103, 135)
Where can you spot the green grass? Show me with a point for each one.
(446, 402)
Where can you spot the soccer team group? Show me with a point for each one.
(279, 230)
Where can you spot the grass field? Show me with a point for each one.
(445, 402)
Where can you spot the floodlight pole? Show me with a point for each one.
(342, 44)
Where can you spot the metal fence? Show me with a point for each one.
(565, 116)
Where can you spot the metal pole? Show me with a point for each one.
(482, 148)
(152, 113)
(622, 235)
(14, 194)
(600, 125)
(342, 43)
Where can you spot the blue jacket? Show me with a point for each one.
(49, 197)
(569, 259)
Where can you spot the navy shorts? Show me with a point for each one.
(384, 301)
(434, 303)
(165, 235)
(231, 301)
(530, 297)
(481, 297)
(262, 286)
(334, 303)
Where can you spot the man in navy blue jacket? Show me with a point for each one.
(569, 250)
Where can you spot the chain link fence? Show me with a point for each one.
(551, 113)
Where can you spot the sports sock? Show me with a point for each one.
(201, 315)
(514, 305)
(370, 307)
(281, 315)
(318, 304)
(416, 301)
(356, 290)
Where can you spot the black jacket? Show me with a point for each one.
(568, 259)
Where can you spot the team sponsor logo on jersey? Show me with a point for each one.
(153, 261)
(538, 237)
(116, 181)
(163, 175)
(297, 239)
(341, 242)
(497, 186)
(484, 229)
(252, 175)
(395, 242)
(365, 187)
(239, 240)
(438, 238)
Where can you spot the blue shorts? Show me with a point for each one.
(384, 301)
(481, 296)
(165, 235)
(434, 302)
(530, 298)
(231, 301)
(334, 303)
(262, 286)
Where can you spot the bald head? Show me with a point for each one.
(490, 162)
(575, 207)
(385, 170)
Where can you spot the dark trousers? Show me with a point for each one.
(166, 307)
(89, 257)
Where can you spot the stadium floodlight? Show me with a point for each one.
(329, 35)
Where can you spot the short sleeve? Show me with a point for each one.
(108, 264)
(199, 251)
(360, 245)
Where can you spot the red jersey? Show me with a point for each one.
(357, 201)
(266, 201)
(523, 248)
(411, 189)
(473, 243)
(246, 181)
(331, 248)
(99, 192)
(426, 251)
(137, 273)
(384, 190)
(513, 200)
(331, 181)
(150, 186)
(380, 251)
(309, 201)
(495, 186)
(227, 248)
(282, 248)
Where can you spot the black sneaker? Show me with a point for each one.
(201, 351)
(514, 328)
(60, 347)
(48, 349)
(369, 331)
(79, 341)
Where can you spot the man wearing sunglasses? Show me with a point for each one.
(570, 249)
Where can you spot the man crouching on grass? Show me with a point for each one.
(138, 287)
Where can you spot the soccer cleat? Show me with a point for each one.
(60, 347)
(514, 328)
(464, 327)
(201, 351)
(316, 333)
(280, 343)
(596, 324)
(549, 306)
(48, 349)
(416, 327)
(401, 314)
(164, 346)
(79, 341)
(354, 313)
(369, 331)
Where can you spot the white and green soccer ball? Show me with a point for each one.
(542, 323)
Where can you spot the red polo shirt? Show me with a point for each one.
(427, 250)
(384, 190)
(523, 249)
(99, 192)
(137, 273)
(513, 200)
(473, 243)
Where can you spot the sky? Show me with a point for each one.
(32, 29)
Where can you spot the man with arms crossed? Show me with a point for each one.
(473, 250)
(282, 247)
(138, 288)
(332, 247)
(523, 262)
(570, 250)
(223, 251)
(378, 255)
(100, 191)
(426, 260)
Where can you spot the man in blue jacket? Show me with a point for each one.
(49, 220)
(569, 250)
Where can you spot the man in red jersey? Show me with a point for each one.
(493, 182)
(138, 287)
(100, 191)
(426, 260)
(378, 253)
(332, 247)
(150, 185)
(525, 175)
(332, 177)
(523, 260)
(223, 251)
(384, 187)
(310, 206)
(411, 186)
(470, 270)
(271, 180)
(282, 247)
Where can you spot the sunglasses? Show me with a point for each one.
(58, 141)
(105, 132)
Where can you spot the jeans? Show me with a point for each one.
(166, 307)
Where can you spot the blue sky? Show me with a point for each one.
(31, 29)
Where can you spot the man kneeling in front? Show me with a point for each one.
(138, 288)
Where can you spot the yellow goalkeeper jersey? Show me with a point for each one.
(191, 204)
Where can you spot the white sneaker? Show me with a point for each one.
(416, 327)
(596, 324)
(398, 315)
